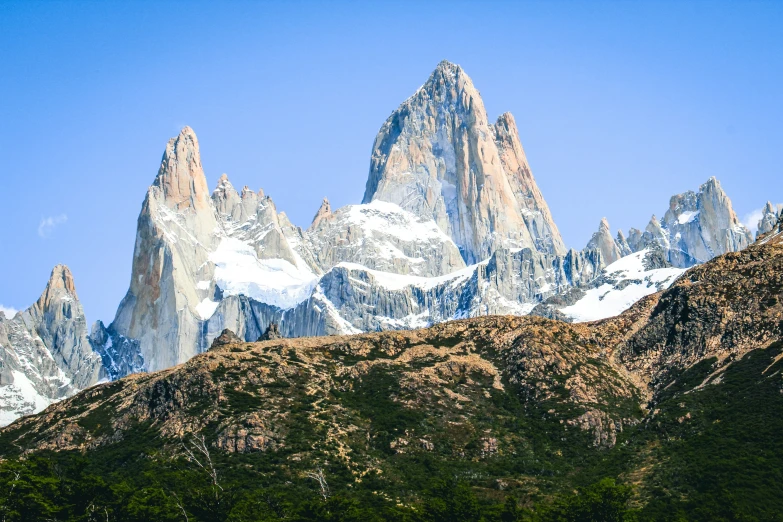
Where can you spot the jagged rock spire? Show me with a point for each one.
(230, 204)
(603, 242)
(702, 225)
(60, 286)
(622, 243)
(438, 157)
(60, 323)
(769, 219)
(324, 211)
(175, 235)
(181, 176)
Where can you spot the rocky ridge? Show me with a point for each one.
(771, 215)
(591, 380)
(696, 227)
(45, 352)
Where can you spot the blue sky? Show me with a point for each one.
(619, 106)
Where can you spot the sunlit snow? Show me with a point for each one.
(20, 398)
(687, 216)
(206, 308)
(238, 271)
(607, 300)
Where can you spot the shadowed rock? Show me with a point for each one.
(272, 332)
(226, 337)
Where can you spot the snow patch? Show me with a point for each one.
(238, 271)
(609, 300)
(206, 308)
(390, 219)
(687, 216)
(391, 281)
(20, 398)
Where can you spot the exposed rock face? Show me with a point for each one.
(177, 229)
(271, 333)
(121, 355)
(45, 354)
(622, 244)
(438, 157)
(768, 219)
(382, 236)
(324, 212)
(253, 220)
(696, 227)
(603, 242)
(226, 337)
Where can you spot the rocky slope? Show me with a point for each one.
(45, 353)
(523, 405)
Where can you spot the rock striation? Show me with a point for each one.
(438, 157)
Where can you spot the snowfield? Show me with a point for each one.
(631, 282)
(238, 271)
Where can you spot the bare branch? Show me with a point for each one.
(199, 444)
(319, 477)
(10, 494)
(180, 506)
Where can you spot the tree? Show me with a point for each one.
(604, 501)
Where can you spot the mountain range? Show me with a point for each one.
(667, 411)
(452, 226)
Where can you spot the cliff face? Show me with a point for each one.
(696, 227)
(453, 225)
(177, 229)
(45, 353)
(438, 157)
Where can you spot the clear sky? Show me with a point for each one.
(619, 105)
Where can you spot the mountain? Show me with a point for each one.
(696, 227)
(770, 216)
(667, 409)
(438, 157)
(452, 226)
(45, 353)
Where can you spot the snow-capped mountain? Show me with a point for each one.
(769, 218)
(696, 227)
(452, 225)
(45, 354)
(438, 157)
